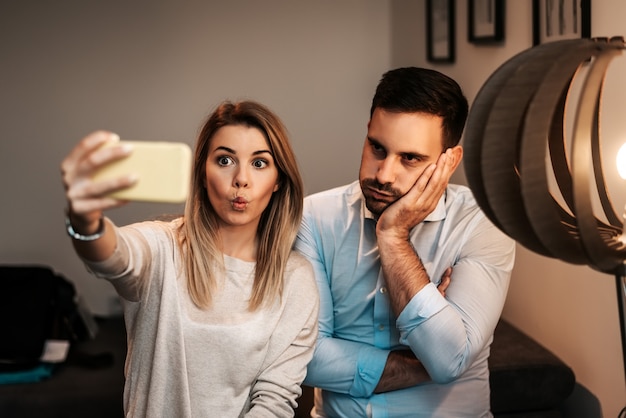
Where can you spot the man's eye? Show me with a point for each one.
(412, 158)
(378, 150)
(259, 164)
(225, 161)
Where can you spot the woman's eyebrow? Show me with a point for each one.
(232, 151)
(222, 148)
(262, 151)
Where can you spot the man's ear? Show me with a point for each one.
(457, 155)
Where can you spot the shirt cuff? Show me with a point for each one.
(426, 303)
(369, 369)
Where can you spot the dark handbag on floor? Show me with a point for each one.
(36, 304)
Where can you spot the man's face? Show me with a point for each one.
(398, 148)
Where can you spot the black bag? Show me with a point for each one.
(36, 304)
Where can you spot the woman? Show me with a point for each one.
(220, 313)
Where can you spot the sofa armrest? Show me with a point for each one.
(524, 375)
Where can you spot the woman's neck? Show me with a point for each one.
(239, 242)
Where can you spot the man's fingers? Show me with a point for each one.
(445, 281)
(432, 182)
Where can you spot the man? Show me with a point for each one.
(391, 344)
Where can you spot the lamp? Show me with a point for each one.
(515, 136)
(620, 160)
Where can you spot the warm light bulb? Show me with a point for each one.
(621, 161)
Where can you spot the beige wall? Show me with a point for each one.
(153, 71)
(570, 309)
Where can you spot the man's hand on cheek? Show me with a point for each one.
(412, 208)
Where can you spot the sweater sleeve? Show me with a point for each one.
(127, 268)
(277, 387)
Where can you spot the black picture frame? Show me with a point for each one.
(556, 20)
(485, 21)
(440, 46)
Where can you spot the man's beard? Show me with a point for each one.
(377, 204)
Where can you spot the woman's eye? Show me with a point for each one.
(259, 164)
(225, 161)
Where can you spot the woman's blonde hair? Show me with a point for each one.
(279, 222)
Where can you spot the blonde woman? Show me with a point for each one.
(220, 312)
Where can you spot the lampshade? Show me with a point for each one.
(515, 136)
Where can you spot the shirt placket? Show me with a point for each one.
(382, 315)
(385, 337)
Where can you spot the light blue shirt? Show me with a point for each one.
(450, 336)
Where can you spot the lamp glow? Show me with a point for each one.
(621, 169)
(621, 161)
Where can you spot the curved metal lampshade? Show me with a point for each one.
(517, 119)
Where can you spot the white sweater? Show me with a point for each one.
(221, 362)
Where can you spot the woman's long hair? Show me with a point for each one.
(279, 222)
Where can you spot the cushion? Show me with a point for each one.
(524, 375)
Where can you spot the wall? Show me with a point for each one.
(153, 71)
(570, 309)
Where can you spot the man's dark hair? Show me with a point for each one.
(420, 90)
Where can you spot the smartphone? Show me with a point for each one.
(163, 169)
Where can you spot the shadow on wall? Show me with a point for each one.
(582, 403)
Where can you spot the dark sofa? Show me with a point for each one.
(527, 381)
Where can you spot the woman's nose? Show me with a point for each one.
(241, 178)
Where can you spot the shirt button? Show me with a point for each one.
(381, 327)
(383, 290)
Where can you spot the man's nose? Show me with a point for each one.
(386, 172)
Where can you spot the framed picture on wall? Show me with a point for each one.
(440, 31)
(554, 20)
(485, 21)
